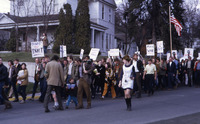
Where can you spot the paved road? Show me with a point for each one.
(173, 107)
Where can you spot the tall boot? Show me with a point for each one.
(126, 102)
(129, 104)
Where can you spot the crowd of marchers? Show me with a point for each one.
(70, 79)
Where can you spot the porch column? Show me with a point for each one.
(105, 42)
(92, 38)
(38, 33)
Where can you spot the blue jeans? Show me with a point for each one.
(72, 98)
(1, 91)
(45, 49)
(22, 91)
(43, 89)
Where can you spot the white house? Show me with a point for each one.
(32, 14)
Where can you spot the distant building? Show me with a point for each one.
(31, 13)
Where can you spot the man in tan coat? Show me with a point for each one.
(55, 81)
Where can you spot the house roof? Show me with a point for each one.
(22, 21)
(18, 19)
(110, 2)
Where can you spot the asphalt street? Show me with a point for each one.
(181, 106)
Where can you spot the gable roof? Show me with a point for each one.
(109, 2)
(5, 19)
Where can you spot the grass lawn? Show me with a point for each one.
(22, 56)
(27, 56)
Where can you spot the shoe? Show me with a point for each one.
(59, 108)
(31, 99)
(47, 110)
(79, 107)
(22, 102)
(41, 100)
(88, 107)
(102, 97)
(149, 93)
(152, 92)
(66, 107)
(114, 97)
(129, 109)
(16, 100)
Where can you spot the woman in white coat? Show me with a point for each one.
(127, 80)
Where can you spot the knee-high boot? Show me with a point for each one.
(129, 104)
(126, 102)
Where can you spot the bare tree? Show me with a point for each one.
(122, 16)
(191, 19)
(16, 11)
(27, 7)
(47, 7)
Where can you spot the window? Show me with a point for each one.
(107, 41)
(102, 40)
(109, 18)
(110, 41)
(110, 15)
(20, 2)
(103, 11)
(55, 7)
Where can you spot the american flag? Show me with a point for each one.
(177, 25)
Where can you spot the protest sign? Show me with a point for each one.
(160, 47)
(81, 53)
(94, 53)
(63, 51)
(37, 49)
(114, 52)
(189, 52)
(150, 50)
(175, 53)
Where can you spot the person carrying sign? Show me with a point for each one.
(45, 42)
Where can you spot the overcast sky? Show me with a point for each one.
(5, 5)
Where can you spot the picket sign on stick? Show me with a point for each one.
(37, 49)
(63, 51)
(175, 53)
(81, 53)
(114, 52)
(150, 50)
(189, 52)
(94, 53)
(160, 48)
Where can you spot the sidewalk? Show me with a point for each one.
(37, 95)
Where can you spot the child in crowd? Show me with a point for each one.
(72, 89)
